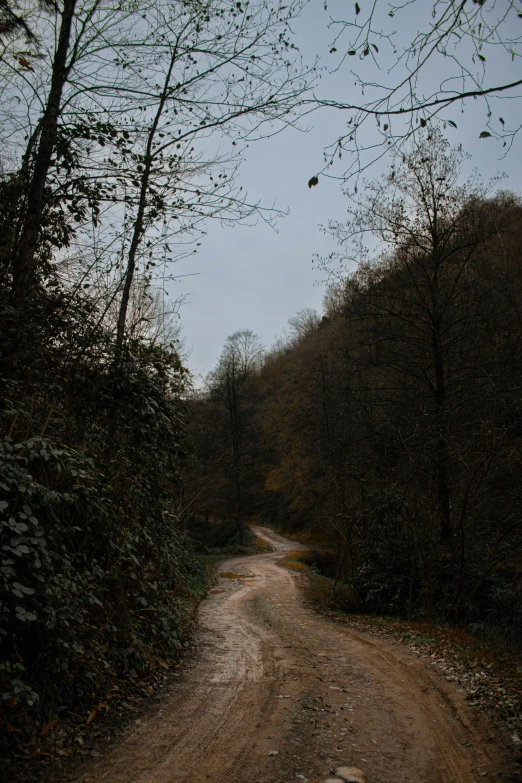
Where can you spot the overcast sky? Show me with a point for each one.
(251, 276)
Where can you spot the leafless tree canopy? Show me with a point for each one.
(415, 63)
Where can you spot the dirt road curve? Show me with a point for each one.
(277, 693)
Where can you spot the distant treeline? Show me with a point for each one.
(393, 426)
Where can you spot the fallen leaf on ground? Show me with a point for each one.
(49, 726)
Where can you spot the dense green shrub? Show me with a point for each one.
(97, 576)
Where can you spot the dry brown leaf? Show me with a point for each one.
(92, 716)
(25, 64)
(49, 726)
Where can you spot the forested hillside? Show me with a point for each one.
(392, 425)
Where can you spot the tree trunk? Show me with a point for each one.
(443, 490)
(139, 223)
(442, 462)
(131, 262)
(27, 240)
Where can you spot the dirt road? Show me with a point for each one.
(277, 693)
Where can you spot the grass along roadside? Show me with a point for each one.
(489, 671)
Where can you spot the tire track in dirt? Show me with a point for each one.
(277, 693)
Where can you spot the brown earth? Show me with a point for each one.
(277, 693)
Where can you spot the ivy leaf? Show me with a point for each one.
(501, 120)
(484, 135)
(375, 47)
(23, 615)
(357, 9)
(423, 122)
(20, 590)
(312, 182)
(453, 124)
(352, 52)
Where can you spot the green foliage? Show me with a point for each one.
(97, 576)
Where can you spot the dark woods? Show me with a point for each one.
(225, 430)
(393, 426)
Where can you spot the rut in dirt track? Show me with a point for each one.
(277, 693)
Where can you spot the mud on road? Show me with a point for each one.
(277, 693)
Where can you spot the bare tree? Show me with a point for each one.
(218, 71)
(421, 211)
(146, 115)
(304, 322)
(415, 78)
(27, 240)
